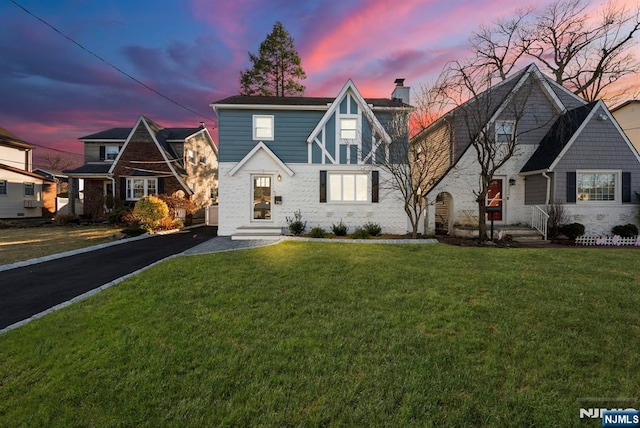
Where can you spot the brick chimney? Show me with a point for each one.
(401, 92)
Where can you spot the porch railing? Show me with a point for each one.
(539, 220)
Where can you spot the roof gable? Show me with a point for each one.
(153, 129)
(261, 146)
(350, 88)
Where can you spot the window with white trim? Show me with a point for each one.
(349, 128)
(3, 187)
(29, 189)
(139, 187)
(191, 157)
(597, 186)
(505, 131)
(111, 152)
(203, 160)
(262, 127)
(348, 187)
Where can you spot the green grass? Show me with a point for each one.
(308, 334)
(19, 244)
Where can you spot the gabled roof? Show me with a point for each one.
(261, 146)
(559, 136)
(27, 173)
(350, 88)
(624, 104)
(10, 139)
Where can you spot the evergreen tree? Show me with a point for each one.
(276, 70)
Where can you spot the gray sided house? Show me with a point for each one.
(568, 152)
(126, 164)
(280, 155)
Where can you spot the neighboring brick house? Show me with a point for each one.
(279, 155)
(127, 164)
(569, 152)
(23, 193)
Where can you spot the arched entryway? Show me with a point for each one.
(444, 210)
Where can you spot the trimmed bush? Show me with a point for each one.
(134, 231)
(317, 232)
(373, 229)
(150, 210)
(572, 230)
(360, 233)
(339, 229)
(626, 231)
(296, 225)
(66, 219)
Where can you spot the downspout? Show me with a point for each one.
(548, 198)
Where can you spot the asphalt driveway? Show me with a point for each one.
(32, 289)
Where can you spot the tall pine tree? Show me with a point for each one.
(277, 70)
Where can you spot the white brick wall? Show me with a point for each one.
(300, 192)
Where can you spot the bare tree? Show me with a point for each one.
(482, 108)
(414, 164)
(55, 162)
(587, 55)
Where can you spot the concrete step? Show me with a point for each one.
(257, 233)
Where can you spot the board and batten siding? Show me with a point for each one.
(536, 190)
(598, 147)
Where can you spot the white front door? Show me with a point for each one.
(262, 200)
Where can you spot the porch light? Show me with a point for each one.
(279, 177)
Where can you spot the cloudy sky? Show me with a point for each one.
(192, 51)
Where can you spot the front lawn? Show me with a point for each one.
(305, 333)
(19, 244)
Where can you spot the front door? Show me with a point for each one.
(495, 198)
(261, 202)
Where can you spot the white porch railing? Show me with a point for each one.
(539, 220)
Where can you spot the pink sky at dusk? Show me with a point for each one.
(193, 52)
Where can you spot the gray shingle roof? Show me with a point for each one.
(557, 138)
(301, 101)
(90, 168)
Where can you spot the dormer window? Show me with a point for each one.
(262, 127)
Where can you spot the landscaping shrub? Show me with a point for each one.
(317, 232)
(150, 210)
(116, 215)
(65, 219)
(626, 231)
(373, 229)
(296, 225)
(176, 203)
(360, 233)
(557, 217)
(169, 223)
(572, 230)
(133, 230)
(339, 229)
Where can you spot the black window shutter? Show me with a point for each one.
(626, 187)
(160, 185)
(323, 186)
(375, 186)
(102, 153)
(571, 186)
(123, 188)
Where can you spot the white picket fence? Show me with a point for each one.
(608, 240)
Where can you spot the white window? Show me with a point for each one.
(505, 131)
(111, 152)
(262, 127)
(348, 128)
(140, 187)
(597, 186)
(191, 156)
(3, 187)
(352, 187)
(29, 189)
